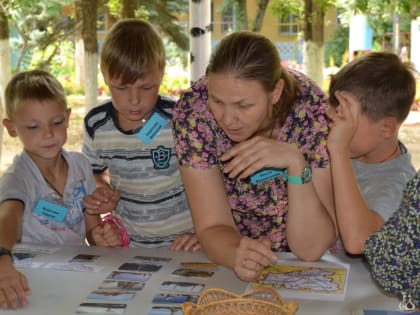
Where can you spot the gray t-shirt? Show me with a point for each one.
(24, 182)
(382, 184)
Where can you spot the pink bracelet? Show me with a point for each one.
(125, 238)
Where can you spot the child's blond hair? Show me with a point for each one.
(131, 49)
(36, 85)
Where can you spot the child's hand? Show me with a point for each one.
(13, 286)
(345, 121)
(106, 235)
(103, 200)
(187, 242)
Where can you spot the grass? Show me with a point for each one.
(409, 135)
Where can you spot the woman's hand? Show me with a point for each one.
(186, 242)
(252, 256)
(252, 155)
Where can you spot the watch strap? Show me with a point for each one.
(5, 251)
(297, 180)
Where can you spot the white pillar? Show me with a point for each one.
(415, 43)
(200, 37)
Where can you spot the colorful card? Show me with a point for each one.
(121, 285)
(199, 265)
(305, 280)
(168, 298)
(186, 272)
(101, 308)
(84, 258)
(129, 276)
(160, 261)
(178, 286)
(165, 310)
(140, 267)
(111, 295)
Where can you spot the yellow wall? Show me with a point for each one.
(270, 27)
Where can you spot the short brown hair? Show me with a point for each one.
(248, 55)
(32, 85)
(131, 48)
(381, 82)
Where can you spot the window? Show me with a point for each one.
(289, 25)
(227, 20)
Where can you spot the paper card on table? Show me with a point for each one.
(122, 285)
(169, 298)
(129, 276)
(73, 267)
(101, 308)
(84, 258)
(178, 286)
(382, 312)
(198, 265)
(160, 261)
(186, 272)
(165, 310)
(36, 249)
(111, 295)
(131, 266)
(25, 260)
(306, 280)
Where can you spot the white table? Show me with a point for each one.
(60, 292)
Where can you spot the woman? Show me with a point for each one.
(246, 116)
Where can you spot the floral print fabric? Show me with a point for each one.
(393, 253)
(258, 210)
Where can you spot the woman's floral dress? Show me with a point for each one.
(393, 253)
(258, 210)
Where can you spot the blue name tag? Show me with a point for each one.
(265, 175)
(152, 127)
(51, 210)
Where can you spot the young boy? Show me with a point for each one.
(370, 98)
(129, 142)
(41, 194)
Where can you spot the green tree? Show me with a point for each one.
(40, 25)
(312, 13)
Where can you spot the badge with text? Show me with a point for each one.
(265, 175)
(152, 128)
(51, 210)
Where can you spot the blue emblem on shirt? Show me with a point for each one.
(161, 157)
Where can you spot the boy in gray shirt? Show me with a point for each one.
(370, 98)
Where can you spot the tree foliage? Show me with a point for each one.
(41, 26)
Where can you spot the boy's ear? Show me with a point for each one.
(390, 127)
(10, 126)
(68, 114)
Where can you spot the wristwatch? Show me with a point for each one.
(5, 251)
(299, 180)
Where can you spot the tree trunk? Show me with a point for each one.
(259, 18)
(5, 72)
(313, 46)
(90, 41)
(128, 8)
(242, 15)
(79, 47)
